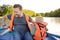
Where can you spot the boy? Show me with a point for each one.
(42, 25)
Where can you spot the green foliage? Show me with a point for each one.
(5, 9)
(37, 14)
(33, 15)
(42, 14)
(29, 12)
(55, 13)
(8, 9)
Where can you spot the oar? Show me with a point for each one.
(5, 31)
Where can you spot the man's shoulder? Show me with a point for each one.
(9, 16)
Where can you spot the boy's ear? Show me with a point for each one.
(45, 23)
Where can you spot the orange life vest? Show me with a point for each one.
(36, 35)
(42, 30)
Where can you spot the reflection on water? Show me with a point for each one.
(56, 20)
(53, 24)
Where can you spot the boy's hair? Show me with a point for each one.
(39, 19)
(17, 6)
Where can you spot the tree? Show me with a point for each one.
(3, 10)
(6, 9)
(42, 14)
(37, 14)
(10, 9)
(29, 12)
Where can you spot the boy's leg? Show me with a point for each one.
(28, 36)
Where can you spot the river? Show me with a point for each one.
(53, 24)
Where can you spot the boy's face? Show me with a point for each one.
(17, 11)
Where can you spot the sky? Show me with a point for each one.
(35, 5)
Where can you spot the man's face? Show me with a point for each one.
(17, 11)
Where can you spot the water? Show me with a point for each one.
(53, 24)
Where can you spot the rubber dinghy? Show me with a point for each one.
(6, 35)
(51, 36)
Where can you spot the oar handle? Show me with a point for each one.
(6, 31)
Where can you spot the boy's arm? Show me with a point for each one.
(30, 19)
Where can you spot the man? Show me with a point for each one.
(19, 23)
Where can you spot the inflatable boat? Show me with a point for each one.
(6, 35)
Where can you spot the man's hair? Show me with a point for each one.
(17, 6)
